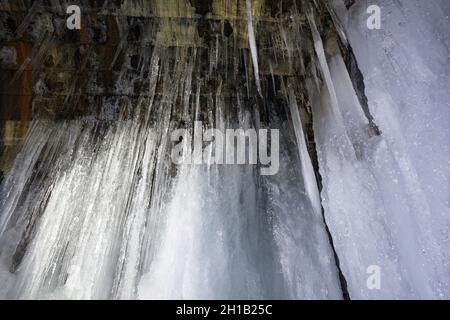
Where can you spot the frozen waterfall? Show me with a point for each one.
(95, 208)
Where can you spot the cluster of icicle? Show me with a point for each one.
(96, 209)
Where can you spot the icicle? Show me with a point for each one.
(318, 45)
(312, 190)
(252, 41)
(336, 21)
(272, 75)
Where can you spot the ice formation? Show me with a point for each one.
(252, 42)
(396, 212)
(96, 209)
(108, 220)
